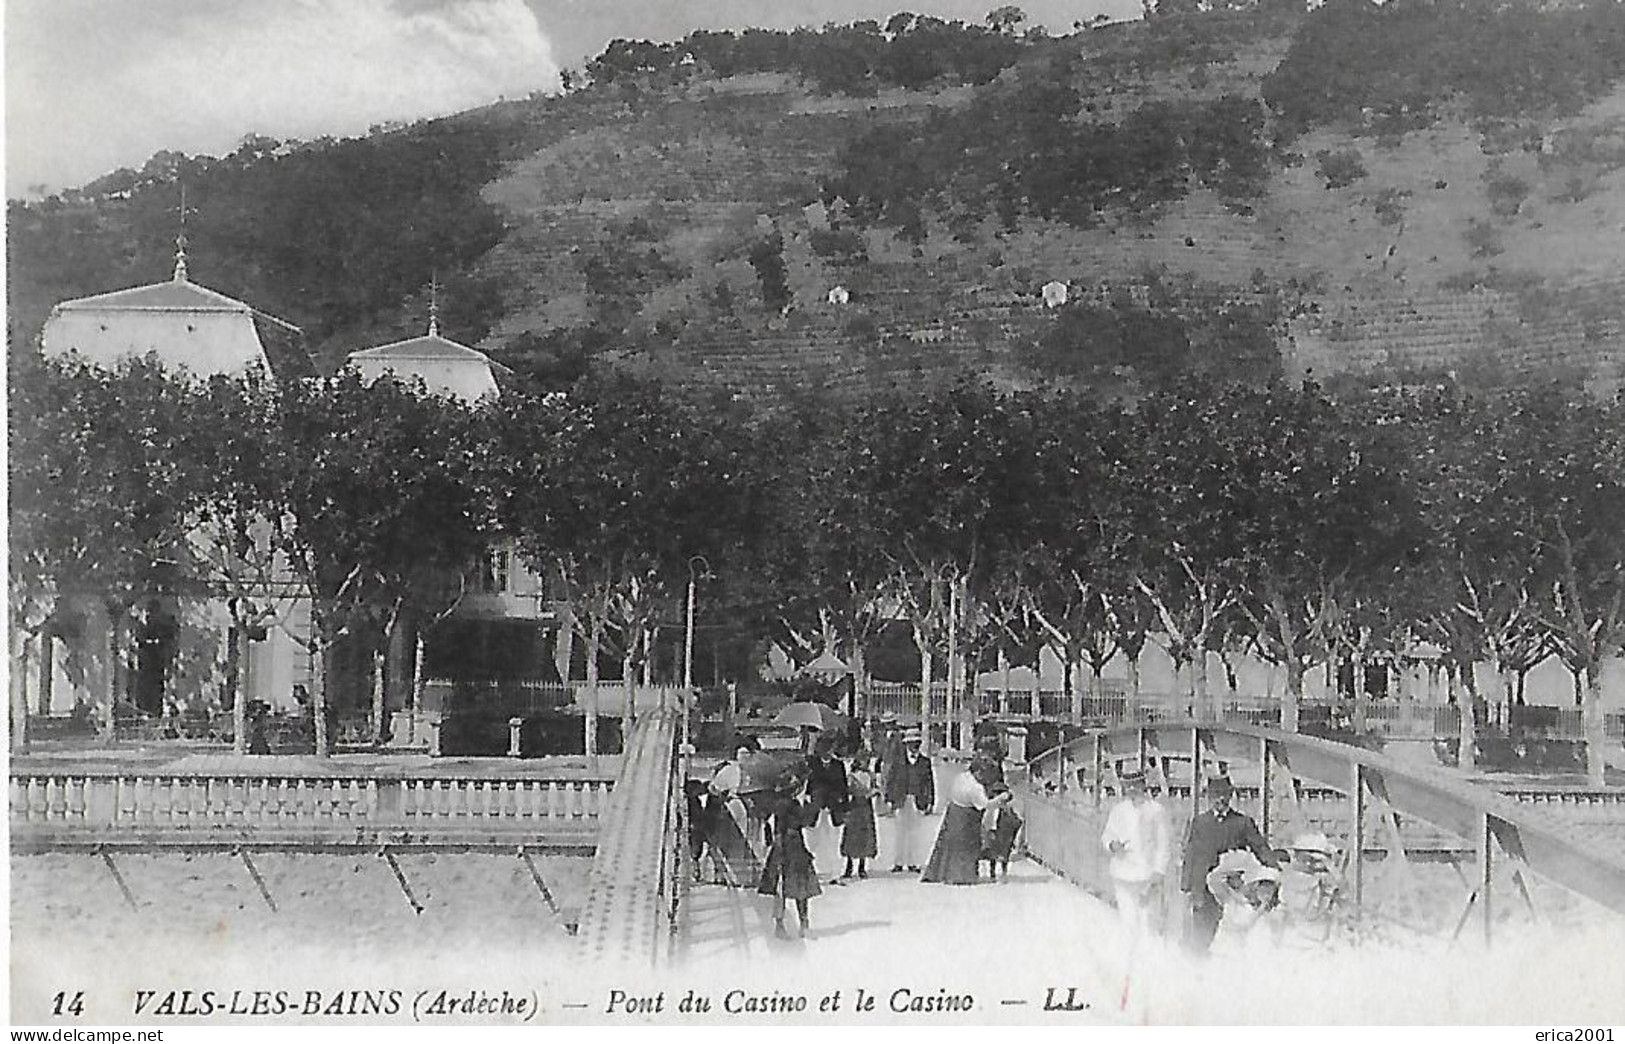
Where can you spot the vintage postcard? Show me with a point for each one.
(557, 513)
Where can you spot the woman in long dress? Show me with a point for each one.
(729, 826)
(789, 872)
(858, 841)
(955, 857)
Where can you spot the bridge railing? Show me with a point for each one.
(1377, 789)
(638, 880)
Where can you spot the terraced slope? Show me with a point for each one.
(687, 228)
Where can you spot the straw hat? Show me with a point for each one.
(1313, 841)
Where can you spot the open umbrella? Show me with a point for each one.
(808, 715)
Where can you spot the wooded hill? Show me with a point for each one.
(1404, 191)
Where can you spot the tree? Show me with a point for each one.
(1576, 481)
(1073, 531)
(230, 436)
(382, 509)
(1484, 552)
(1006, 19)
(616, 486)
(1330, 521)
(821, 556)
(1188, 517)
(102, 490)
(938, 476)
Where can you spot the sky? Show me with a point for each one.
(93, 85)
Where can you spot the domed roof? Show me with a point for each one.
(181, 322)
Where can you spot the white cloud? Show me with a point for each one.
(97, 84)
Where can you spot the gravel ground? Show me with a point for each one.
(201, 922)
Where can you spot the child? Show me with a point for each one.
(1311, 889)
(698, 824)
(1249, 894)
(1000, 841)
(858, 832)
(789, 873)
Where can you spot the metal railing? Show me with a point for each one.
(638, 880)
(902, 699)
(1393, 718)
(1491, 826)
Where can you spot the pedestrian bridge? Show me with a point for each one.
(1449, 874)
(1465, 903)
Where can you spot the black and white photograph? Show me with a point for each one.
(1087, 514)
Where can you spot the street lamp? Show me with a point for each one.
(688, 641)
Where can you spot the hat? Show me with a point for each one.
(911, 735)
(1260, 872)
(1313, 841)
(1220, 785)
(1239, 861)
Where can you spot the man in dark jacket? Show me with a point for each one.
(1212, 833)
(911, 790)
(828, 795)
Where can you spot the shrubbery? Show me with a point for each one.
(331, 235)
(766, 256)
(1178, 329)
(912, 51)
(1042, 163)
(1397, 63)
(1341, 168)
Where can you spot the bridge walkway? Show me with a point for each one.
(1026, 945)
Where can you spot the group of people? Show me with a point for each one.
(1234, 883)
(824, 795)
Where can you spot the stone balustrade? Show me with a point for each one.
(108, 803)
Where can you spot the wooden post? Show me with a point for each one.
(925, 701)
(1357, 840)
(253, 871)
(1486, 843)
(19, 690)
(47, 668)
(1196, 771)
(1099, 758)
(1264, 788)
(416, 695)
(950, 724)
(589, 721)
(1140, 750)
(1004, 682)
(237, 671)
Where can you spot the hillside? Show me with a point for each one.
(1217, 193)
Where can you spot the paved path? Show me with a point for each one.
(1013, 945)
